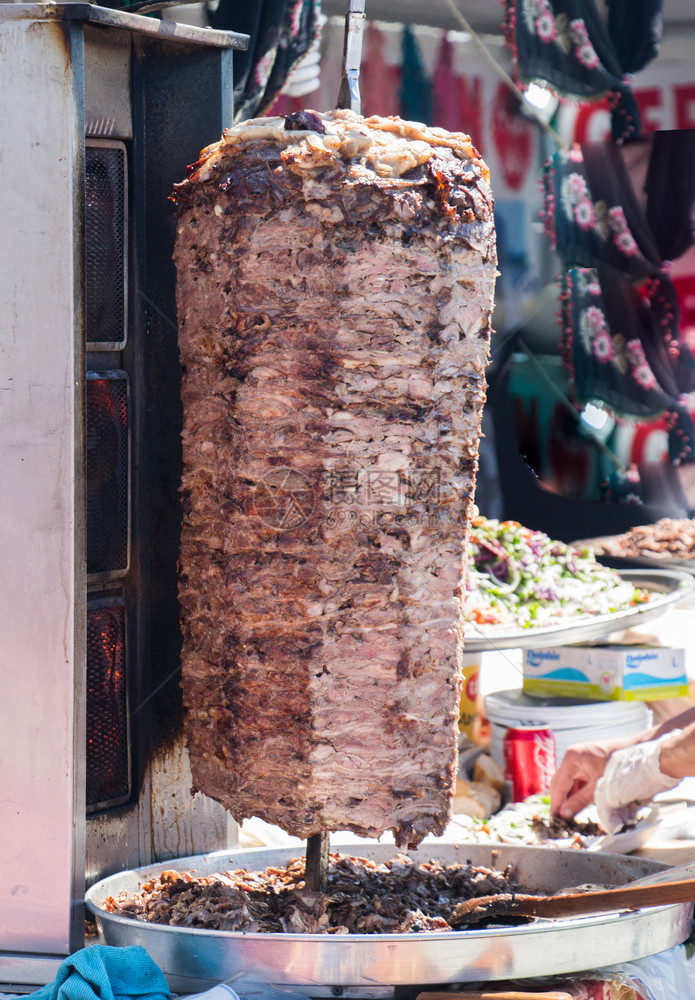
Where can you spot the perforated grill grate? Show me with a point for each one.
(107, 472)
(105, 244)
(107, 756)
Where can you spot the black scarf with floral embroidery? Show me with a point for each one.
(619, 307)
(566, 44)
(280, 33)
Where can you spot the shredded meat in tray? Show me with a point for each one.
(364, 897)
(556, 828)
(669, 537)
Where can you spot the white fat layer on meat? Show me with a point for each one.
(387, 147)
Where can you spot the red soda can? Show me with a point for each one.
(529, 758)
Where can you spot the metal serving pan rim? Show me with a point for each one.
(306, 961)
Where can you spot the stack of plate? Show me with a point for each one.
(571, 720)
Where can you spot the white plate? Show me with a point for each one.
(663, 821)
(628, 840)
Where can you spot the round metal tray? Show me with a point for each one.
(597, 545)
(318, 964)
(668, 586)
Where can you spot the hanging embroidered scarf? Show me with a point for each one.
(281, 32)
(566, 44)
(619, 307)
(614, 356)
(670, 189)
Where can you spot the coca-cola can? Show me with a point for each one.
(529, 759)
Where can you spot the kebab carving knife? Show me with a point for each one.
(349, 94)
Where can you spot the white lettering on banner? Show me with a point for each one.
(666, 98)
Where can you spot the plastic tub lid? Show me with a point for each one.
(517, 708)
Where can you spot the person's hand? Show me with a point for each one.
(574, 783)
(632, 777)
(677, 757)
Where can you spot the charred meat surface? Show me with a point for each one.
(364, 897)
(335, 281)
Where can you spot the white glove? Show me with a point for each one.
(632, 777)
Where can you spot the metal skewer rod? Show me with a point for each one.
(316, 865)
(349, 94)
(317, 847)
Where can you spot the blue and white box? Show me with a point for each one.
(606, 673)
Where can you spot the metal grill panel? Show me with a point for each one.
(105, 248)
(108, 738)
(107, 426)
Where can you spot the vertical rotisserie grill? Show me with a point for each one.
(103, 106)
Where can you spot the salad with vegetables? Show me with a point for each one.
(521, 577)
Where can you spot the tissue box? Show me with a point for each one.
(606, 673)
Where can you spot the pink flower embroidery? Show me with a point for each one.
(578, 31)
(595, 320)
(577, 187)
(584, 214)
(603, 347)
(586, 54)
(622, 237)
(262, 71)
(587, 281)
(635, 353)
(617, 216)
(644, 376)
(625, 243)
(296, 21)
(545, 27)
(594, 333)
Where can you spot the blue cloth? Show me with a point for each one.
(101, 972)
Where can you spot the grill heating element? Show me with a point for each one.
(108, 481)
(105, 247)
(108, 495)
(108, 736)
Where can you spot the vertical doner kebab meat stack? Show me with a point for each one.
(335, 285)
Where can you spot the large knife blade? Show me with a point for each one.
(349, 94)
